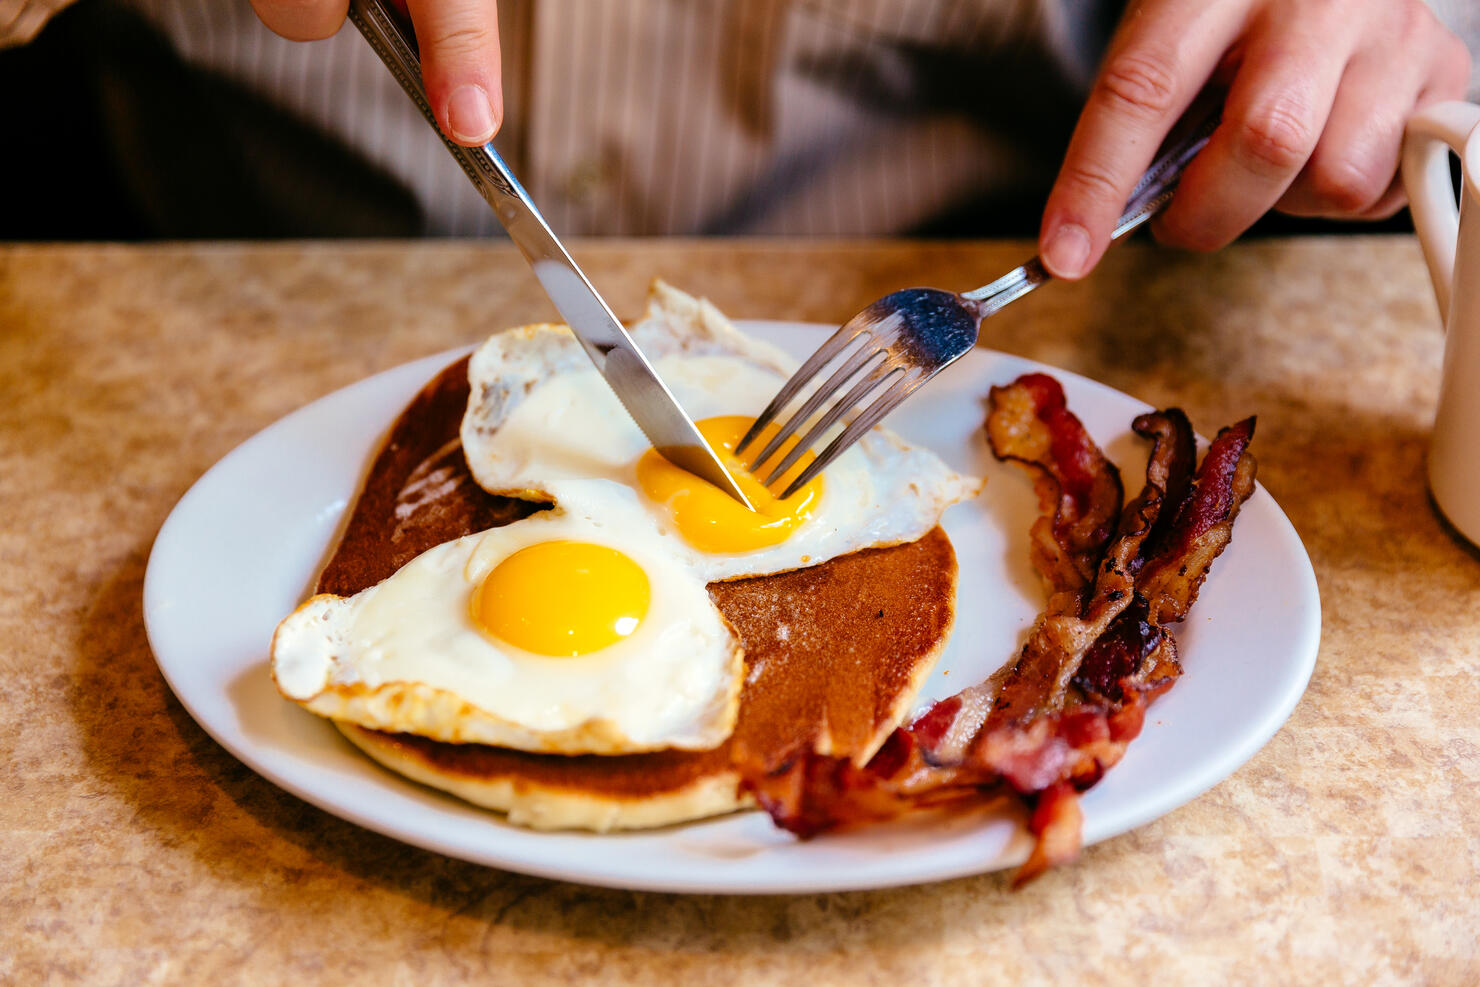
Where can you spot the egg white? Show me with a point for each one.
(405, 654)
(541, 423)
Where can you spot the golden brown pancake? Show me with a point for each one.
(834, 653)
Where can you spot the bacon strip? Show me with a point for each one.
(1079, 498)
(1079, 490)
(1136, 659)
(1059, 643)
(1057, 822)
(1202, 526)
(1132, 646)
(1132, 651)
(1048, 727)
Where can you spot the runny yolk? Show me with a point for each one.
(710, 519)
(562, 598)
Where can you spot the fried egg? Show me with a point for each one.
(542, 424)
(566, 632)
(587, 628)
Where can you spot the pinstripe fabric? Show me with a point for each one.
(643, 120)
(678, 116)
(672, 116)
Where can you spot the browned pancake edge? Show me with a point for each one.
(835, 653)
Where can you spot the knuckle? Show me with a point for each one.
(1459, 53)
(1329, 20)
(1386, 207)
(1202, 239)
(1143, 82)
(1275, 139)
(1094, 181)
(1174, 229)
(1347, 187)
(1413, 21)
(1456, 63)
(465, 40)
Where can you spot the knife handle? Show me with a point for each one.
(391, 37)
(610, 347)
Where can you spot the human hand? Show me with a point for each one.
(459, 54)
(1318, 94)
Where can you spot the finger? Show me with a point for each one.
(1356, 158)
(1161, 56)
(1352, 172)
(460, 66)
(1388, 203)
(1277, 108)
(302, 20)
(1449, 67)
(1449, 78)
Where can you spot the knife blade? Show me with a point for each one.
(611, 348)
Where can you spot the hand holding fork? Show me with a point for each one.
(905, 338)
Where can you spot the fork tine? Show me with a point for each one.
(835, 344)
(866, 420)
(852, 399)
(860, 359)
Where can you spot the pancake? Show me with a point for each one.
(835, 653)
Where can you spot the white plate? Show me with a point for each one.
(243, 545)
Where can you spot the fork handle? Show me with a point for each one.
(1155, 188)
(1149, 197)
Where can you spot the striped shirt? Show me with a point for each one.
(635, 117)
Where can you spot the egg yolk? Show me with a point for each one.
(562, 598)
(710, 519)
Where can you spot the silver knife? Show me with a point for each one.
(643, 393)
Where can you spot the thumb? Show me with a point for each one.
(459, 47)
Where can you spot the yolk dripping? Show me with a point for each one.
(707, 517)
(562, 598)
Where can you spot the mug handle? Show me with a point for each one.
(1431, 135)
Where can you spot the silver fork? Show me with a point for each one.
(909, 336)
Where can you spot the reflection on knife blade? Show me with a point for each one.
(642, 392)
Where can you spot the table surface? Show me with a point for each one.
(134, 849)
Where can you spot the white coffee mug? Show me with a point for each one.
(1450, 235)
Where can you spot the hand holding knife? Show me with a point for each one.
(610, 347)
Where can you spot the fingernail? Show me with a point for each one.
(470, 114)
(1067, 251)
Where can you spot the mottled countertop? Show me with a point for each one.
(133, 849)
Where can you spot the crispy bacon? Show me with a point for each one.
(1079, 498)
(1059, 642)
(1202, 527)
(1132, 653)
(1079, 490)
(813, 792)
(1057, 823)
(1131, 646)
(1049, 726)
